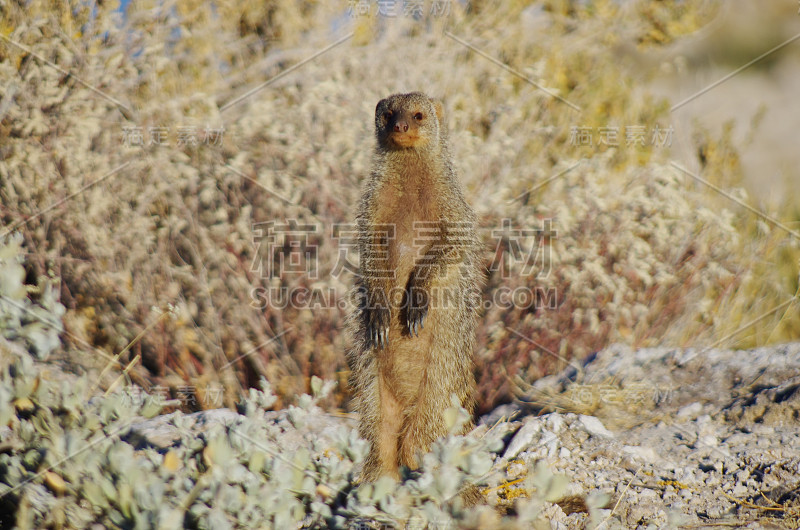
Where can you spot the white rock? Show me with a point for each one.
(686, 475)
(646, 454)
(523, 438)
(605, 514)
(555, 422)
(516, 469)
(594, 426)
(555, 515)
(709, 441)
(550, 441)
(739, 491)
(761, 429)
(649, 495)
(690, 411)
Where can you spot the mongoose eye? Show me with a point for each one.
(387, 114)
(418, 116)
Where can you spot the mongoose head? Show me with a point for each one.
(408, 121)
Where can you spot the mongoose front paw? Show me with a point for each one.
(378, 326)
(417, 310)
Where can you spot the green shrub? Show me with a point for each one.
(68, 459)
(30, 315)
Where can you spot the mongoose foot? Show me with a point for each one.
(378, 326)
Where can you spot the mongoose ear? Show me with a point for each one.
(378, 106)
(439, 108)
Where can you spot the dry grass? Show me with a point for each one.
(640, 253)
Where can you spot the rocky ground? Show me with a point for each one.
(687, 438)
(673, 437)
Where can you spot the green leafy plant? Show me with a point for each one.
(29, 314)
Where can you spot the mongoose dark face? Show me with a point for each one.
(408, 121)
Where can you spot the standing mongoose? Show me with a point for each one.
(417, 294)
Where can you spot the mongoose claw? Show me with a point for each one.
(374, 337)
(417, 310)
(416, 318)
(378, 327)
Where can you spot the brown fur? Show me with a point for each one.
(417, 294)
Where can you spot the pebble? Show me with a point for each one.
(690, 411)
(594, 426)
(647, 454)
(739, 491)
(555, 422)
(709, 441)
(523, 438)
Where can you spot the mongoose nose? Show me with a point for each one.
(400, 126)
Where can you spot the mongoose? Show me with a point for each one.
(416, 295)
